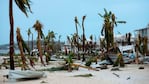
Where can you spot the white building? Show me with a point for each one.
(144, 32)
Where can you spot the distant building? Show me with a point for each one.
(144, 32)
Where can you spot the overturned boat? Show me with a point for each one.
(28, 74)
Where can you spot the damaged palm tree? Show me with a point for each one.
(49, 45)
(38, 27)
(108, 31)
(83, 37)
(22, 47)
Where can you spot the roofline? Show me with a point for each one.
(141, 29)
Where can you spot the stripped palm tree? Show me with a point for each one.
(22, 47)
(76, 24)
(38, 27)
(83, 19)
(23, 6)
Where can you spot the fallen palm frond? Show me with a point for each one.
(86, 67)
(54, 69)
(84, 75)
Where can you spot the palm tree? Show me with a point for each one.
(83, 18)
(22, 47)
(24, 6)
(108, 27)
(38, 27)
(49, 44)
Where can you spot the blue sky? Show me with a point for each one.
(58, 15)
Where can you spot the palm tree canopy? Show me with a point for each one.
(24, 6)
(109, 20)
(38, 27)
(83, 19)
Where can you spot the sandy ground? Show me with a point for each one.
(128, 75)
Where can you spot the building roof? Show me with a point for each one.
(141, 29)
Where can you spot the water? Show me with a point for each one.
(6, 51)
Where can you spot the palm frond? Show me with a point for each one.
(106, 13)
(121, 22)
(76, 21)
(25, 47)
(24, 6)
(100, 15)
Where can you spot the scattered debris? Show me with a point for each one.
(43, 82)
(115, 69)
(84, 75)
(103, 66)
(116, 75)
(141, 67)
(61, 68)
(87, 67)
(128, 78)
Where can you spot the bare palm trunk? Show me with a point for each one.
(137, 56)
(83, 58)
(83, 18)
(11, 53)
(40, 51)
(77, 42)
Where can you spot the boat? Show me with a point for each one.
(27, 74)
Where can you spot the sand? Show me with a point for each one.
(128, 75)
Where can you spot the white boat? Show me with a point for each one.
(28, 74)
